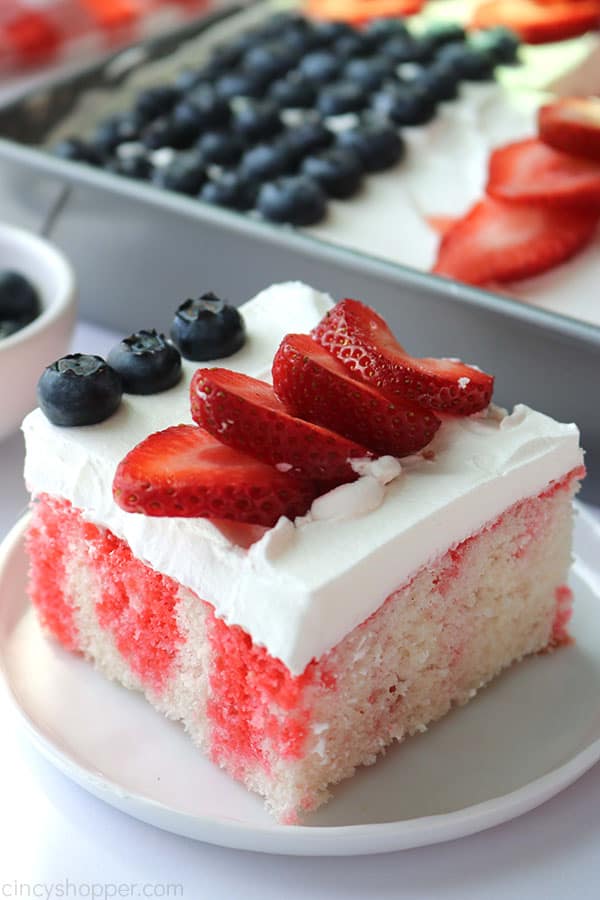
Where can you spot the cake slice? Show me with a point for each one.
(296, 652)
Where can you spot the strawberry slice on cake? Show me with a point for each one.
(184, 471)
(245, 413)
(314, 385)
(360, 339)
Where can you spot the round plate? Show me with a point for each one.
(524, 738)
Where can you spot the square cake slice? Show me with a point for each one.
(295, 653)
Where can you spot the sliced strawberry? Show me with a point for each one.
(245, 413)
(499, 242)
(539, 23)
(362, 341)
(572, 124)
(184, 471)
(531, 172)
(359, 12)
(316, 386)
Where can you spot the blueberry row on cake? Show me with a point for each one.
(291, 112)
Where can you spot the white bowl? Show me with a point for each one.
(25, 354)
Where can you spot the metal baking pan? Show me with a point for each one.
(138, 251)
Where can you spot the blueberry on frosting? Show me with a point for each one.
(207, 328)
(146, 362)
(79, 389)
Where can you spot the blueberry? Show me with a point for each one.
(207, 328)
(405, 105)
(185, 174)
(298, 200)
(107, 135)
(280, 22)
(406, 49)
(338, 171)
(220, 147)
(188, 79)
(330, 32)
(440, 80)
(230, 190)
(369, 73)
(378, 145)
(136, 166)
(269, 61)
(349, 46)
(202, 108)
(242, 42)
(169, 132)
(19, 300)
(341, 97)
(300, 40)
(240, 84)
(223, 58)
(309, 137)
(319, 66)
(440, 33)
(77, 150)
(265, 161)
(255, 120)
(8, 327)
(79, 390)
(469, 62)
(380, 30)
(293, 92)
(500, 43)
(146, 362)
(156, 101)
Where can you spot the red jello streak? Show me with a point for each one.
(145, 633)
(256, 705)
(46, 545)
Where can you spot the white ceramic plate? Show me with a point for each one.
(522, 740)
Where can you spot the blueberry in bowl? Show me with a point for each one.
(19, 302)
(39, 299)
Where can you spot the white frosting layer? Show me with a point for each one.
(303, 586)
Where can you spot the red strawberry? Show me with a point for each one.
(499, 242)
(184, 471)
(246, 414)
(531, 172)
(539, 23)
(572, 125)
(362, 341)
(315, 385)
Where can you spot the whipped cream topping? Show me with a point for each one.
(303, 585)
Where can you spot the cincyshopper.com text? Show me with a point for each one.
(90, 890)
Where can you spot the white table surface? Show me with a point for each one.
(54, 837)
